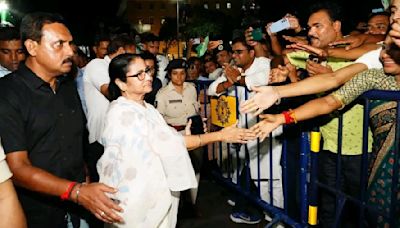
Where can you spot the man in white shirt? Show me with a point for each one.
(246, 72)
(95, 83)
(100, 45)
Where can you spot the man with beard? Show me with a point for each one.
(41, 127)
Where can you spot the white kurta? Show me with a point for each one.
(145, 160)
(257, 75)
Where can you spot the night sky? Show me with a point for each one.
(83, 16)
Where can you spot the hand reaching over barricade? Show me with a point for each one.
(265, 97)
(267, 124)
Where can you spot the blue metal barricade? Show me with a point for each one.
(308, 173)
(237, 161)
(368, 210)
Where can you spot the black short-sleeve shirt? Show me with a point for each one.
(48, 125)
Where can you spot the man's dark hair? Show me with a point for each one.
(147, 55)
(121, 40)
(242, 39)
(149, 37)
(384, 13)
(32, 24)
(333, 9)
(100, 38)
(9, 33)
(209, 58)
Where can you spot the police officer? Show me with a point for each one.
(178, 99)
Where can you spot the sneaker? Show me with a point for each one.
(242, 217)
(231, 202)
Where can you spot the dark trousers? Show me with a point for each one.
(242, 204)
(350, 176)
(95, 151)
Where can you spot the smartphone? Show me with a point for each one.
(196, 41)
(280, 25)
(257, 34)
(197, 127)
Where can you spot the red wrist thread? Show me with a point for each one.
(290, 117)
(67, 193)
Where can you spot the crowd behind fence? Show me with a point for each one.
(301, 185)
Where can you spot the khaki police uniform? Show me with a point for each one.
(176, 107)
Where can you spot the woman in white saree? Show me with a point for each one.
(144, 158)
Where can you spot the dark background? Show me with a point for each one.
(85, 18)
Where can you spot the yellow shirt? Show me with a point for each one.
(352, 132)
(352, 119)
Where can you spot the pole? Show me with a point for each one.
(177, 25)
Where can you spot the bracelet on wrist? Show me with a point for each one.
(290, 117)
(278, 101)
(67, 193)
(78, 190)
(199, 141)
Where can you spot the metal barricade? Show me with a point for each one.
(309, 186)
(366, 213)
(241, 186)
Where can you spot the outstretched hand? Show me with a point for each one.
(264, 98)
(278, 74)
(267, 125)
(233, 134)
(296, 39)
(351, 41)
(308, 48)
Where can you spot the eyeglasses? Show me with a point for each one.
(142, 74)
(238, 52)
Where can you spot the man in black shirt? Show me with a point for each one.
(41, 127)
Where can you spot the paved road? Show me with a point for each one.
(213, 207)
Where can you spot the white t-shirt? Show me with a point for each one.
(3, 71)
(256, 75)
(371, 59)
(96, 75)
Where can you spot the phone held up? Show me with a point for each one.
(257, 34)
(280, 25)
(196, 40)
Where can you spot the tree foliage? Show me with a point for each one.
(203, 22)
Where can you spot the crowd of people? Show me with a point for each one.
(113, 140)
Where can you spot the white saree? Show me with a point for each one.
(145, 160)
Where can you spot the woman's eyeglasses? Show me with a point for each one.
(142, 74)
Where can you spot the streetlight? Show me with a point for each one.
(3, 11)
